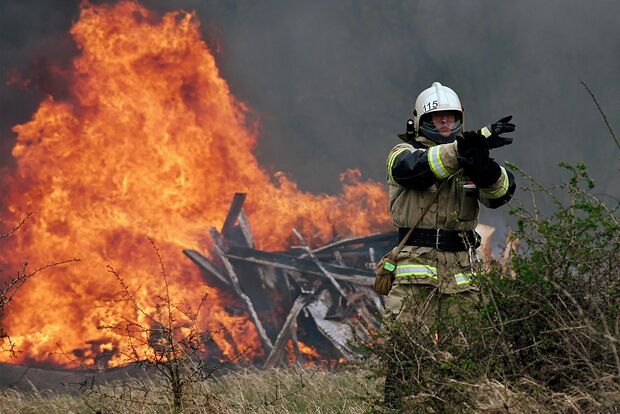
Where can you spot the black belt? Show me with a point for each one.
(441, 239)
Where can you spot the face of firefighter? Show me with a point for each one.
(444, 122)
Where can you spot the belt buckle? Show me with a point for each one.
(437, 240)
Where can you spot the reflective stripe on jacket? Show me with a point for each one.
(414, 175)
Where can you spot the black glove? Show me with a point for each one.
(470, 142)
(484, 172)
(492, 132)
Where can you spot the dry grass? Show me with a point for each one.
(284, 391)
(247, 391)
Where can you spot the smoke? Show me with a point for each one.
(331, 83)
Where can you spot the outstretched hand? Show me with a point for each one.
(496, 129)
(503, 125)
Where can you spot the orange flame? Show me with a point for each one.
(312, 357)
(151, 143)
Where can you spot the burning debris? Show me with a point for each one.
(151, 144)
(318, 296)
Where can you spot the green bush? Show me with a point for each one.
(543, 338)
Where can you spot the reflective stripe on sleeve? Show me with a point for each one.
(417, 270)
(499, 192)
(486, 132)
(463, 278)
(434, 160)
(391, 161)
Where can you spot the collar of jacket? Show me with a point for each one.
(422, 142)
(418, 142)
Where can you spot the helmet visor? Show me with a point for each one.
(441, 126)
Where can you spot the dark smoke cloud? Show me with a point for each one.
(332, 82)
(35, 51)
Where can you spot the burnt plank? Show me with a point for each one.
(326, 272)
(244, 227)
(278, 346)
(338, 333)
(295, 341)
(288, 262)
(205, 265)
(389, 237)
(234, 279)
(233, 213)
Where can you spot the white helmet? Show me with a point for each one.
(434, 99)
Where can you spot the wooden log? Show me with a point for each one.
(327, 274)
(279, 345)
(235, 284)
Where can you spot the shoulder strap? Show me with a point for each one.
(410, 232)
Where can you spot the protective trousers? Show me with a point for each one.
(428, 316)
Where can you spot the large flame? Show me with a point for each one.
(150, 144)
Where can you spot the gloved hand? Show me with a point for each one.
(471, 142)
(484, 172)
(471, 158)
(492, 132)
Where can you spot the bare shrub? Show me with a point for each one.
(170, 345)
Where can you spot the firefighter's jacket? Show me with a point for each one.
(415, 172)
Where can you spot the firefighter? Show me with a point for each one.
(435, 268)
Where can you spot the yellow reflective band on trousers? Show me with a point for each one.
(501, 191)
(485, 132)
(463, 278)
(391, 161)
(434, 159)
(416, 269)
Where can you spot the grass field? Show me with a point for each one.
(247, 391)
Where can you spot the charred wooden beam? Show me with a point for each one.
(327, 274)
(338, 257)
(389, 237)
(373, 260)
(244, 226)
(235, 284)
(233, 212)
(307, 285)
(206, 266)
(278, 346)
(295, 341)
(287, 262)
(236, 228)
